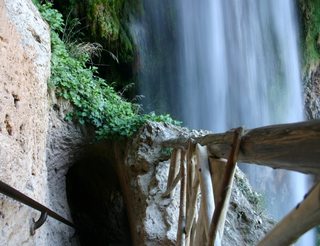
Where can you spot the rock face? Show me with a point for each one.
(143, 175)
(312, 93)
(65, 144)
(37, 146)
(24, 70)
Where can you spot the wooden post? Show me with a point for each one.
(192, 192)
(304, 217)
(207, 199)
(174, 175)
(200, 237)
(220, 212)
(217, 169)
(182, 211)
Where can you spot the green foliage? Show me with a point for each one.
(108, 18)
(52, 16)
(105, 21)
(310, 17)
(95, 102)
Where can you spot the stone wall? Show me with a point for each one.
(24, 70)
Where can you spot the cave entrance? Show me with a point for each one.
(96, 203)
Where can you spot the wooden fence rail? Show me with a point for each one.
(199, 164)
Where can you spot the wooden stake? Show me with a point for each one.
(173, 176)
(192, 234)
(218, 219)
(217, 169)
(200, 236)
(207, 198)
(191, 209)
(182, 210)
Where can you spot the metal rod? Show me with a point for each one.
(17, 195)
(37, 224)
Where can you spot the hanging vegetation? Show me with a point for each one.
(95, 101)
(310, 17)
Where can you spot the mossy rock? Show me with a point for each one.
(310, 24)
(106, 22)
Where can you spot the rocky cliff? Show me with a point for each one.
(24, 71)
(312, 93)
(37, 145)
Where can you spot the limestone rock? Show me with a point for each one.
(312, 93)
(66, 142)
(24, 70)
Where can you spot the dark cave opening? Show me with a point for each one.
(96, 203)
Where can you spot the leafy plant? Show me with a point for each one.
(310, 17)
(95, 101)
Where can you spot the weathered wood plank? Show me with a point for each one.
(293, 146)
(300, 220)
(207, 198)
(182, 209)
(287, 146)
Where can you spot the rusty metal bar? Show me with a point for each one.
(17, 195)
(38, 223)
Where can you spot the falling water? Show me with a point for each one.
(220, 64)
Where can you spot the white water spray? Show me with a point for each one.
(220, 64)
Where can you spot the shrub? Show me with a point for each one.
(95, 102)
(310, 17)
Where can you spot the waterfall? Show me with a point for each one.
(219, 64)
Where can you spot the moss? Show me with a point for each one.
(310, 18)
(106, 22)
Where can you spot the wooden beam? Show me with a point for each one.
(304, 217)
(294, 146)
(287, 146)
(174, 175)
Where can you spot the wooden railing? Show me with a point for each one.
(201, 166)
